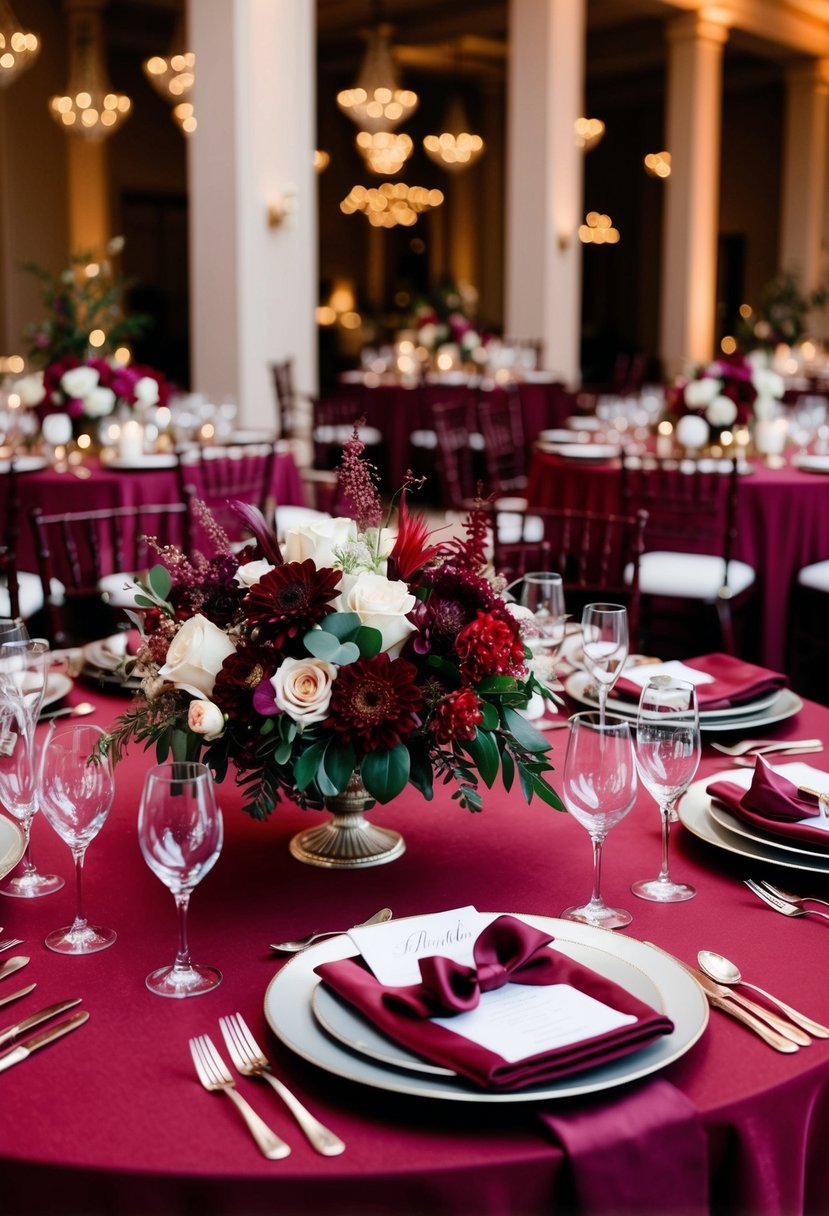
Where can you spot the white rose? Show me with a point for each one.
(427, 334)
(30, 389)
(302, 689)
(382, 604)
(764, 408)
(692, 431)
(318, 541)
(79, 381)
(768, 383)
(146, 391)
(99, 402)
(250, 573)
(195, 656)
(699, 393)
(721, 412)
(205, 718)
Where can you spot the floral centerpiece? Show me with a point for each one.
(446, 324)
(356, 655)
(91, 388)
(732, 391)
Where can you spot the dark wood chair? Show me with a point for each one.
(221, 473)
(505, 452)
(93, 554)
(455, 427)
(598, 556)
(286, 398)
(21, 594)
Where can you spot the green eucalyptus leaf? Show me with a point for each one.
(524, 732)
(160, 581)
(385, 773)
(306, 767)
(369, 640)
(339, 762)
(347, 653)
(144, 602)
(321, 645)
(283, 752)
(341, 624)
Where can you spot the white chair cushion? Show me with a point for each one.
(692, 576)
(815, 576)
(120, 589)
(424, 439)
(341, 435)
(30, 591)
(514, 528)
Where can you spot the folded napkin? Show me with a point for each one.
(726, 682)
(773, 804)
(507, 951)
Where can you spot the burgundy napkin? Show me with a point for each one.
(735, 682)
(772, 804)
(639, 1151)
(403, 1013)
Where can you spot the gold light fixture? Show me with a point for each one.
(173, 75)
(377, 103)
(455, 148)
(589, 132)
(384, 152)
(598, 230)
(658, 164)
(391, 204)
(90, 107)
(321, 160)
(18, 49)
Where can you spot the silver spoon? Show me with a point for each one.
(70, 711)
(726, 972)
(302, 943)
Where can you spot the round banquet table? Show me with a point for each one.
(782, 525)
(55, 491)
(112, 1119)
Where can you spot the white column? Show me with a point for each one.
(804, 172)
(545, 179)
(253, 284)
(692, 136)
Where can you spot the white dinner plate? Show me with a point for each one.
(800, 774)
(557, 435)
(12, 845)
(584, 422)
(58, 684)
(721, 815)
(24, 464)
(250, 436)
(695, 814)
(150, 460)
(784, 704)
(586, 451)
(289, 1011)
(812, 464)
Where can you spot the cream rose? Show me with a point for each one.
(99, 402)
(382, 604)
(79, 381)
(205, 718)
(701, 392)
(318, 541)
(195, 656)
(250, 574)
(30, 389)
(146, 391)
(721, 412)
(302, 689)
(768, 383)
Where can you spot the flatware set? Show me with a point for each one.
(762, 746)
(24, 1050)
(783, 905)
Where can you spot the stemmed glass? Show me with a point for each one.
(542, 592)
(667, 757)
(180, 832)
(12, 629)
(599, 788)
(604, 646)
(23, 674)
(75, 791)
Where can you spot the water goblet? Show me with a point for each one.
(604, 646)
(23, 675)
(76, 786)
(599, 788)
(13, 629)
(180, 832)
(667, 757)
(542, 592)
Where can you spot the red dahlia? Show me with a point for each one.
(289, 599)
(457, 716)
(375, 703)
(239, 676)
(489, 646)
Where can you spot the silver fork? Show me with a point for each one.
(251, 1061)
(765, 745)
(215, 1075)
(11, 941)
(782, 905)
(789, 896)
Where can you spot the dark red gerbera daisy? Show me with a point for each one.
(289, 599)
(375, 703)
(239, 676)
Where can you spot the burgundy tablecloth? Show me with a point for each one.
(782, 525)
(106, 487)
(112, 1119)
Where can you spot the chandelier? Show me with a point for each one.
(90, 108)
(391, 204)
(455, 148)
(589, 132)
(18, 50)
(172, 76)
(377, 103)
(384, 152)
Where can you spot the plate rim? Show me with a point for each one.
(17, 845)
(741, 829)
(450, 1090)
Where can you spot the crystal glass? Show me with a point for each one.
(598, 789)
(543, 593)
(667, 757)
(13, 629)
(180, 832)
(604, 646)
(75, 791)
(24, 669)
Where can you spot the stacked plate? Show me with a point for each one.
(769, 708)
(713, 823)
(324, 1030)
(103, 663)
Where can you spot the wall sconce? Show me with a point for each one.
(658, 164)
(282, 208)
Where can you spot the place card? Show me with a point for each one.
(392, 950)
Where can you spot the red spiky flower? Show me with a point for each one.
(411, 551)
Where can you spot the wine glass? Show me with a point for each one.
(180, 833)
(23, 675)
(667, 757)
(13, 629)
(542, 592)
(75, 792)
(599, 788)
(604, 630)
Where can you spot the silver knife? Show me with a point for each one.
(17, 1054)
(13, 964)
(34, 1019)
(15, 996)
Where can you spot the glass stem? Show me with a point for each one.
(182, 962)
(28, 865)
(596, 897)
(602, 703)
(80, 919)
(665, 813)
